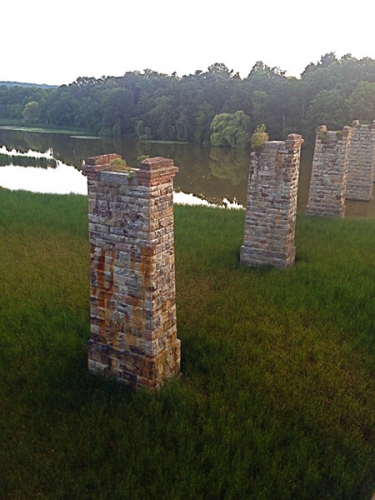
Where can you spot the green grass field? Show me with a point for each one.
(277, 396)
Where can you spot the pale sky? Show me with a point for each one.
(55, 42)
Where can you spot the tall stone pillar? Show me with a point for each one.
(329, 173)
(361, 162)
(132, 286)
(269, 236)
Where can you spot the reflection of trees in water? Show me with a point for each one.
(211, 173)
(27, 161)
(206, 173)
(69, 150)
(225, 163)
(16, 140)
(197, 174)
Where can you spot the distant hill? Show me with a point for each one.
(22, 84)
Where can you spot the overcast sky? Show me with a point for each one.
(55, 42)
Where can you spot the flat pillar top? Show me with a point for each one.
(292, 141)
(156, 167)
(151, 166)
(156, 163)
(273, 144)
(102, 159)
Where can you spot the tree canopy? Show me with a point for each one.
(151, 105)
(231, 130)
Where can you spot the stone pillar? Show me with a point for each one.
(132, 285)
(329, 173)
(361, 162)
(269, 236)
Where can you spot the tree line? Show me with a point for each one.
(216, 105)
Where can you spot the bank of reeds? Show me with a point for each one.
(277, 396)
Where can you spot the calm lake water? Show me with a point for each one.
(210, 174)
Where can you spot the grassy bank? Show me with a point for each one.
(277, 395)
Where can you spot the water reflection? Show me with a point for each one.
(210, 174)
(229, 165)
(201, 172)
(60, 180)
(189, 199)
(29, 159)
(64, 179)
(48, 153)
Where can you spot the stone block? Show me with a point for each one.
(272, 204)
(329, 173)
(133, 312)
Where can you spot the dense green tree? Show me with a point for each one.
(271, 96)
(361, 102)
(203, 122)
(260, 102)
(31, 112)
(62, 108)
(263, 77)
(116, 106)
(88, 114)
(324, 62)
(163, 117)
(328, 108)
(231, 130)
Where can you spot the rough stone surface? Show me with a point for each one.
(132, 273)
(361, 162)
(269, 236)
(329, 173)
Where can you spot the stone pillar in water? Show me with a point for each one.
(361, 162)
(269, 236)
(329, 173)
(132, 284)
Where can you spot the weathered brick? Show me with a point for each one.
(132, 292)
(329, 173)
(272, 204)
(361, 162)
